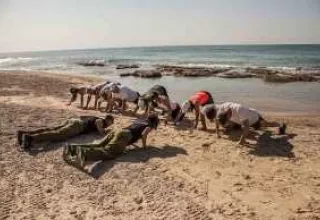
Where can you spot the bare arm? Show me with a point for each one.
(148, 109)
(145, 133)
(73, 98)
(136, 109)
(197, 113)
(81, 100)
(178, 117)
(245, 131)
(123, 106)
(203, 122)
(217, 128)
(99, 125)
(109, 100)
(88, 100)
(96, 96)
(169, 110)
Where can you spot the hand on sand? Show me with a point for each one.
(202, 129)
(241, 142)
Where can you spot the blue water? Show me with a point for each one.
(278, 56)
(292, 97)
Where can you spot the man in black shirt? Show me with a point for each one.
(113, 144)
(153, 97)
(72, 127)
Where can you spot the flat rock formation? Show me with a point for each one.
(143, 74)
(235, 74)
(190, 71)
(268, 75)
(127, 66)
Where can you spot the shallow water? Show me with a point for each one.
(290, 98)
(283, 57)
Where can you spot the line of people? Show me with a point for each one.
(228, 115)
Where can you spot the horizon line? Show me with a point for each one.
(153, 46)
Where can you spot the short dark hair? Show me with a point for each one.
(223, 118)
(211, 114)
(109, 117)
(192, 106)
(153, 121)
(73, 90)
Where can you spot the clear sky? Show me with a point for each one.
(70, 24)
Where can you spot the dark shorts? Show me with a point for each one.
(210, 99)
(137, 100)
(159, 90)
(257, 125)
(175, 112)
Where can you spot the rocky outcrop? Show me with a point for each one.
(143, 74)
(190, 71)
(92, 63)
(260, 71)
(285, 78)
(265, 74)
(235, 74)
(127, 66)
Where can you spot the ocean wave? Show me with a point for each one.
(125, 61)
(206, 65)
(9, 60)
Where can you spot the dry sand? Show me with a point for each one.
(182, 175)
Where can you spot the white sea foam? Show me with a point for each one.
(9, 60)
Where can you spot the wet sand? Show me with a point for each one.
(184, 174)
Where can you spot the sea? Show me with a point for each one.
(300, 98)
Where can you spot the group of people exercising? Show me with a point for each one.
(229, 115)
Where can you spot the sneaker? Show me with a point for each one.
(25, 142)
(81, 157)
(282, 128)
(19, 136)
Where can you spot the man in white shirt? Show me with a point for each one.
(240, 115)
(95, 91)
(123, 94)
(105, 93)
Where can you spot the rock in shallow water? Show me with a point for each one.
(143, 74)
(283, 78)
(127, 66)
(236, 75)
(190, 71)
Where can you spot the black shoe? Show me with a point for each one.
(19, 136)
(26, 142)
(282, 129)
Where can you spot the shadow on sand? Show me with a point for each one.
(46, 146)
(136, 155)
(267, 144)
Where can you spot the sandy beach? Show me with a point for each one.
(184, 174)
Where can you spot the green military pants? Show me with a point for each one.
(112, 145)
(70, 128)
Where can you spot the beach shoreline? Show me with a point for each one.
(184, 174)
(272, 105)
